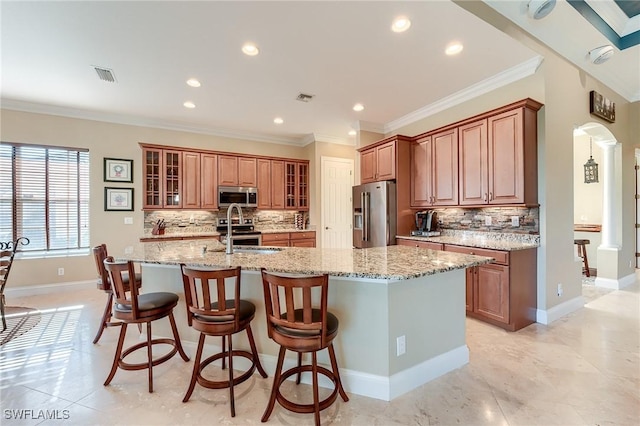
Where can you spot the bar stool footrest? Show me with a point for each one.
(221, 384)
(307, 408)
(142, 365)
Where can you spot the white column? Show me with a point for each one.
(608, 183)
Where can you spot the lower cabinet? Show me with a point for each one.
(502, 293)
(290, 239)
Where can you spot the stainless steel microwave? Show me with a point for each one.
(243, 195)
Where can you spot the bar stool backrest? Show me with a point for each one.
(120, 287)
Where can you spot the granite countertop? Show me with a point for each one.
(184, 234)
(392, 262)
(488, 240)
(277, 231)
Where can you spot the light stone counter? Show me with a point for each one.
(489, 240)
(378, 295)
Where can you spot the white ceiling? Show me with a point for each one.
(340, 52)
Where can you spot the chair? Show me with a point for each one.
(294, 324)
(138, 309)
(582, 252)
(210, 312)
(103, 283)
(7, 253)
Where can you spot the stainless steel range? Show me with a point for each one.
(242, 234)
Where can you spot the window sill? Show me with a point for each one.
(51, 254)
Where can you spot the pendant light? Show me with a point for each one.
(590, 167)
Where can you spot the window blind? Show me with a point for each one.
(44, 196)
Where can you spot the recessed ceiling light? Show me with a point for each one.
(400, 24)
(358, 107)
(250, 49)
(193, 82)
(278, 120)
(189, 104)
(454, 48)
(352, 132)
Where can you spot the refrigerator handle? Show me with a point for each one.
(365, 216)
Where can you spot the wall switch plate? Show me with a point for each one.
(60, 271)
(487, 220)
(560, 291)
(128, 220)
(515, 221)
(401, 345)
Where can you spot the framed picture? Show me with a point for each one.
(602, 107)
(118, 199)
(118, 170)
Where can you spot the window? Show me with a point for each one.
(44, 196)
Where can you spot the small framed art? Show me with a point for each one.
(602, 107)
(118, 199)
(118, 170)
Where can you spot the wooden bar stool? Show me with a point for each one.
(140, 309)
(104, 283)
(296, 325)
(212, 314)
(582, 252)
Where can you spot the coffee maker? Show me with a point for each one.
(426, 224)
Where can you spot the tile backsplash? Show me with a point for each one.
(501, 219)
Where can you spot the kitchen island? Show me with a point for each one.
(379, 295)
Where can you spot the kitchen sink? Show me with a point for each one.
(256, 250)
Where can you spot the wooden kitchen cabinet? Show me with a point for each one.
(379, 161)
(498, 157)
(237, 171)
(191, 178)
(162, 170)
(264, 183)
(271, 184)
(434, 170)
(296, 185)
(503, 292)
(278, 239)
(209, 181)
(290, 239)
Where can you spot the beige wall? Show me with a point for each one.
(587, 197)
(109, 140)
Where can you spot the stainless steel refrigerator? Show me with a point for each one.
(374, 214)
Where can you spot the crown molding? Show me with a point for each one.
(24, 106)
(518, 72)
(319, 137)
(368, 126)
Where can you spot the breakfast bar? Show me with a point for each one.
(401, 309)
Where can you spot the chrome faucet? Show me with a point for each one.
(229, 238)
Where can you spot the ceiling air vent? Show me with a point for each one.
(105, 74)
(302, 97)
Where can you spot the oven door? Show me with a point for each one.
(246, 240)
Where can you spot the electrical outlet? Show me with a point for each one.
(515, 221)
(560, 291)
(487, 220)
(401, 345)
(60, 271)
(128, 220)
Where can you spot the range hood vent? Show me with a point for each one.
(105, 74)
(303, 97)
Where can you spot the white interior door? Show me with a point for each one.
(335, 221)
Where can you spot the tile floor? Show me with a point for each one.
(581, 370)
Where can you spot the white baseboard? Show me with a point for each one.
(357, 382)
(49, 288)
(558, 311)
(615, 284)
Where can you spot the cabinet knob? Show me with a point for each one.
(326, 227)
(491, 196)
(486, 197)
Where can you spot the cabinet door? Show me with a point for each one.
(209, 181)
(472, 277)
(444, 168)
(420, 173)
(227, 170)
(491, 293)
(264, 184)
(303, 186)
(368, 166)
(473, 156)
(386, 161)
(277, 184)
(190, 180)
(303, 243)
(506, 162)
(291, 185)
(153, 178)
(172, 168)
(247, 174)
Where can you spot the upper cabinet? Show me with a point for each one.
(498, 157)
(296, 185)
(208, 181)
(162, 169)
(434, 170)
(237, 171)
(379, 161)
(271, 184)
